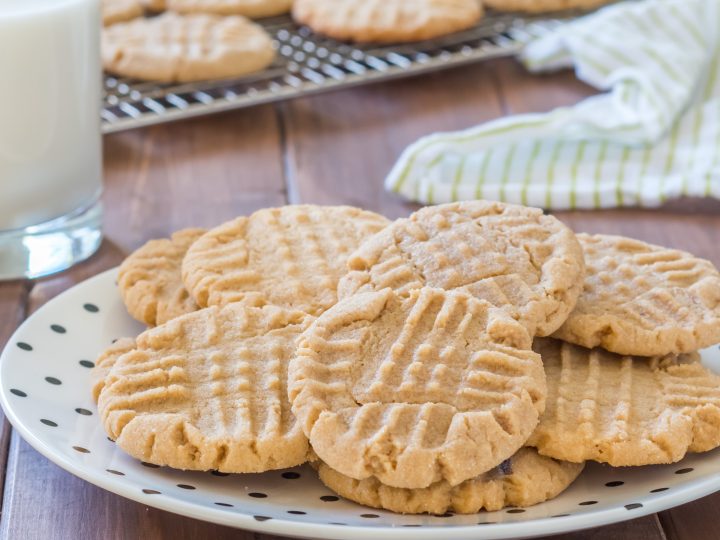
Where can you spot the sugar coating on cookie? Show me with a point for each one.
(643, 299)
(248, 8)
(115, 11)
(387, 20)
(542, 6)
(413, 390)
(208, 391)
(105, 361)
(624, 410)
(150, 281)
(525, 479)
(512, 256)
(292, 256)
(184, 48)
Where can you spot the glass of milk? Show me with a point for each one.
(50, 140)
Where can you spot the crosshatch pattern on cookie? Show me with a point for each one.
(387, 20)
(248, 8)
(414, 390)
(150, 281)
(542, 6)
(291, 256)
(208, 391)
(512, 256)
(525, 479)
(623, 410)
(644, 299)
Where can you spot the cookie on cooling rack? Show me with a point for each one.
(208, 391)
(183, 48)
(114, 11)
(435, 386)
(387, 21)
(248, 8)
(525, 479)
(512, 256)
(643, 299)
(625, 410)
(542, 6)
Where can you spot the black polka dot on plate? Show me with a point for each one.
(48, 422)
(658, 490)
(218, 473)
(92, 308)
(615, 483)
(296, 512)
(479, 523)
(329, 498)
(227, 505)
(290, 475)
(262, 518)
(516, 511)
(87, 363)
(369, 516)
(684, 471)
(53, 380)
(633, 506)
(257, 495)
(24, 346)
(113, 471)
(560, 515)
(57, 328)
(151, 492)
(337, 523)
(445, 515)
(81, 449)
(151, 465)
(82, 411)
(18, 393)
(587, 503)
(185, 486)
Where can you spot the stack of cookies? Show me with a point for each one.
(214, 39)
(472, 356)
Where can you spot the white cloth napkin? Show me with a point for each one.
(653, 134)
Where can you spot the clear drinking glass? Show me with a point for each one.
(50, 140)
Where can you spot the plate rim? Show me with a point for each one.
(698, 488)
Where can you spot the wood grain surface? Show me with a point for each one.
(327, 149)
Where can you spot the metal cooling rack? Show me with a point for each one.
(308, 63)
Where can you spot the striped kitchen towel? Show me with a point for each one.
(653, 134)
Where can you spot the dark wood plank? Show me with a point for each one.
(340, 146)
(693, 521)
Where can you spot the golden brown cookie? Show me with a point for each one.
(150, 281)
(525, 479)
(512, 256)
(247, 8)
(542, 6)
(115, 11)
(106, 361)
(291, 256)
(208, 390)
(183, 48)
(625, 410)
(385, 21)
(434, 386)
(643, 299)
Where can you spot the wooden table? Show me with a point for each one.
(328, 149)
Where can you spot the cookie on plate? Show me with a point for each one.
(247, 8)
(542, 6)
(525, 479)
(414, 390)
(513, 256)
(387, 21)
(150, 282)
(208, 391)
(106, 361)
(643, 299)
(114, 11)
(292, 256)
(183, 48)
(625, 410)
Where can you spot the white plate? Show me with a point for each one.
(45, 393)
